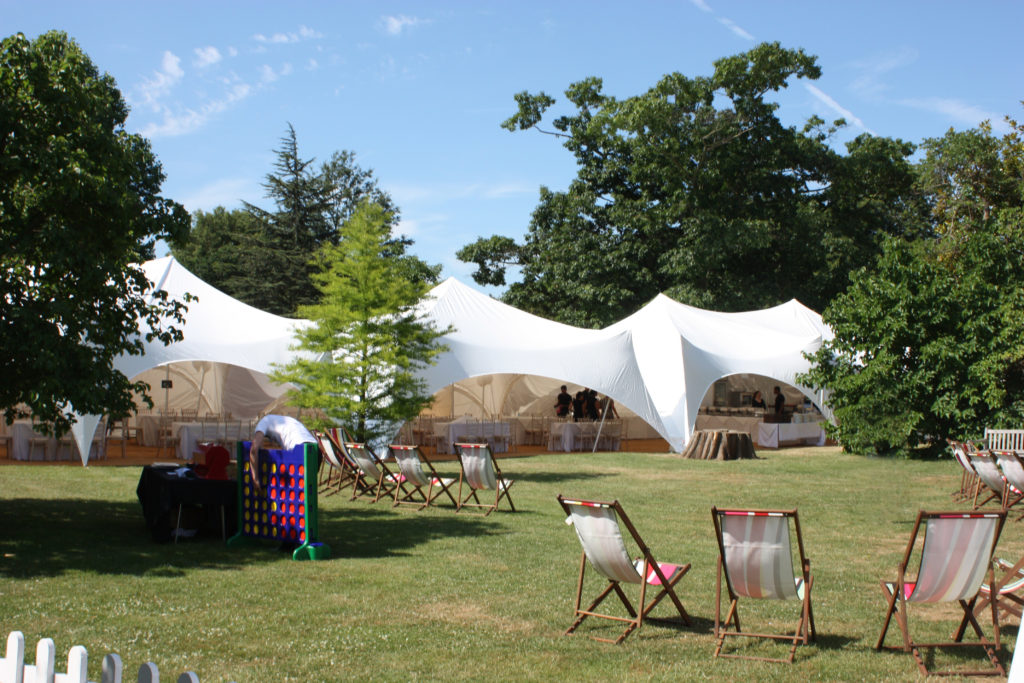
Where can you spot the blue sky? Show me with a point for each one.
(418, 90)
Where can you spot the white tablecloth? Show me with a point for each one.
(22, 434)
(571, 436)
(770, 435)
(497, 434)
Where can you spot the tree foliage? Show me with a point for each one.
(79, 209)
(930, 344)
(695, 188)
(262, 256)
(366, 322)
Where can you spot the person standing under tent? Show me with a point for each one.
(563, 403)
(780, 401)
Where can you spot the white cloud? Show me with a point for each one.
(188, 120)
(394, 26)
(304, 33)
(957, 110)
(701, 5)
(267, 74)
(312, 65)
(232, 52)
(731, 25)
(205, 56)
(169, 75)
(869, 83)
(837, 108)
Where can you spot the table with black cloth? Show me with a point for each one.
(160, 493)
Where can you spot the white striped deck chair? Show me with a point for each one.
(373, 477)
(423, 481)
(337, 472)
(984, 463)
(955, 558)
(1012, 468)
(968, 477)
(480, 473)
(756, 559)
(597, 526)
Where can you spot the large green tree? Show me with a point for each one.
(80, 207)
(929, 344)
(696, 189)
(366, 343)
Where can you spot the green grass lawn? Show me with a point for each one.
(434, 595)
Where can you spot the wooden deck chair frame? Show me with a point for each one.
(758, 543)
(1008, 590)
(338, 472)
(479, 472)
(955, 557)
(968, 477)
(1012, 468)
(418, 473)
(990, 479)
(606, 553)
(372, 476)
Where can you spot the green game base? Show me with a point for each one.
(312, 551)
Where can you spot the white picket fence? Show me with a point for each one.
(13, 668)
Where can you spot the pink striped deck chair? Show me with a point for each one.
(968, 477)
(756, 558)
(424, 483)
(598, 527)
(1012, 468)
(984, 463)
(480, 473)
(955, 558)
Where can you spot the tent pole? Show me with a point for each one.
(604, 414)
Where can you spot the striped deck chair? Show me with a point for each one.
(992, 480)
(968, 477)
(1008, 590)
(1012, 468)
(756, 558)
(598, 527)
(419, 474)
(373, 478)
(338, 472)
(955, 558)
(481, 473)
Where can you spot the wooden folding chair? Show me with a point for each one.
(756, 558)
(1008, 590)
(419, 474)
(1012, 468)
(968, 477)
(373, 478)
(598, 527)
(955, 558)
(338, 472)
(480, 472)
(991, 480)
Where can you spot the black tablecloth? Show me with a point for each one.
(160, 493)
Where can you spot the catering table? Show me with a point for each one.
(496, 434)
(571, 436)
(771, 435)
(160, 493)
(23, 434)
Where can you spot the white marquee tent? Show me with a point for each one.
(658, 363)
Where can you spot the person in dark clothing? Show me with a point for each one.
(577, 406)
(780, 401)
(593, 412)
(564, 403)
(757, 401)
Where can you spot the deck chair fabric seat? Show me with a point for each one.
(339, 472)
(479, 473)
(756, 561)
(1009, 590)
(598, 527)
(423, 482)
(373, 478)
(991, 479)
(955, 559)
(1011, 466)
(968, 477)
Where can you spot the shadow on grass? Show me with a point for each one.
(44, 538)
(381, 532)
(555, 477)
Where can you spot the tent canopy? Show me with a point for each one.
(658, 363)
